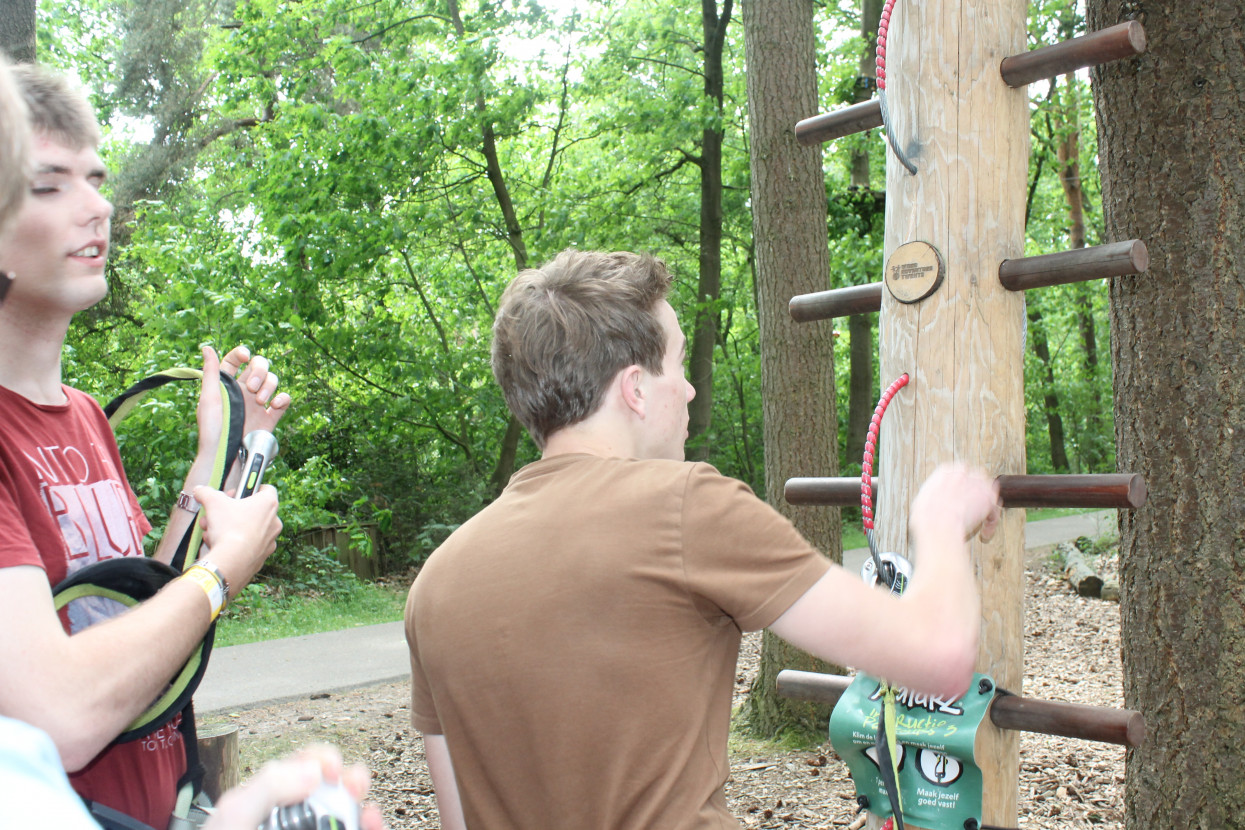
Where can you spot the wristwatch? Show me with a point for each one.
(187, 502)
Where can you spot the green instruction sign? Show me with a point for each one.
(939, 780)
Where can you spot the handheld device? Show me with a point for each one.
(328, 808)
(259, 447)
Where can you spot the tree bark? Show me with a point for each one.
(792, 257)
(1170, 125)
(17, 30)
(709, 287)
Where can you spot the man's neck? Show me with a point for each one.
(580, 439)
(30, 356)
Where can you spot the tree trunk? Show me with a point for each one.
(1170, 125)
(709, 289)
(1068, 150)
(17, 30)
(1050, 398)
(1092, 449)
(860, 343)
(509, 452)
(792, 257)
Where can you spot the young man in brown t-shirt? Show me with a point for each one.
(573, 645)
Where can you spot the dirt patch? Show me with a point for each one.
(1072, 653)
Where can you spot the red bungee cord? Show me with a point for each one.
(880, 61)
(886, 574)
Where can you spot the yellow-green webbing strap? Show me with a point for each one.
(888, 754)
(233, 412)
(164, 706)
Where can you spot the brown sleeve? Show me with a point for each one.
(740, 554)
(423, 710)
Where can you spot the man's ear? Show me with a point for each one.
(631, 389)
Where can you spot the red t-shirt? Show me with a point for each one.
(64, 504)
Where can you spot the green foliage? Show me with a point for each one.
(265, 611)
(310, 179)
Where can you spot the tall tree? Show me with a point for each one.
(1169, 127)
(792, 257)
(709, 288)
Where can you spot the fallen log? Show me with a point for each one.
(1078, 572)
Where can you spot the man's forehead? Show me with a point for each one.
(50, 153)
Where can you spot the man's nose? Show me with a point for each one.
(98, 208)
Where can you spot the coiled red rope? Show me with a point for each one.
(884, 24)
(871, 441)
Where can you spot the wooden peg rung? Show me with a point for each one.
(838, 302)
(1113, 260)
(1125, 491)
(831, 125)
(837, 492)
(1048, 717)
(1123, 40)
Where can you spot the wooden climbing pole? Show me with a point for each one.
(967, 134)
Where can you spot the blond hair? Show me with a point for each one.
(564, 330)
(14, 146)
(57, 109)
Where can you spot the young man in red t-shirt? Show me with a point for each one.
(64, 499)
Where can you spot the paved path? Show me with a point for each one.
(245, 677)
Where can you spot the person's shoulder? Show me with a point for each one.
(81, 400)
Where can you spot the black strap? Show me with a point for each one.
(131, 580)
(234, 409)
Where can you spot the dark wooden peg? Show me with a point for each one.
(1049, 717)
(1126, 491)
(838, 492)
(839, 302)
(827, 127)
(1123, 40)
(1113, 260)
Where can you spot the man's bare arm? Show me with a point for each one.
(441, 768)
(926, 639)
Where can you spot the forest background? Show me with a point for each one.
(346, 186)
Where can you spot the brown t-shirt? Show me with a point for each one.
(576, 641)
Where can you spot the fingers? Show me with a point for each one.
(264, 405)
(370, 818)
(237, 358)
(960, 493)
(277, 784)
(240, 533)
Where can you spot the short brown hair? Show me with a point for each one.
(57, 109)
(14, 146)
(564, 330)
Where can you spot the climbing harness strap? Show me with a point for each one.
(234, 413)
